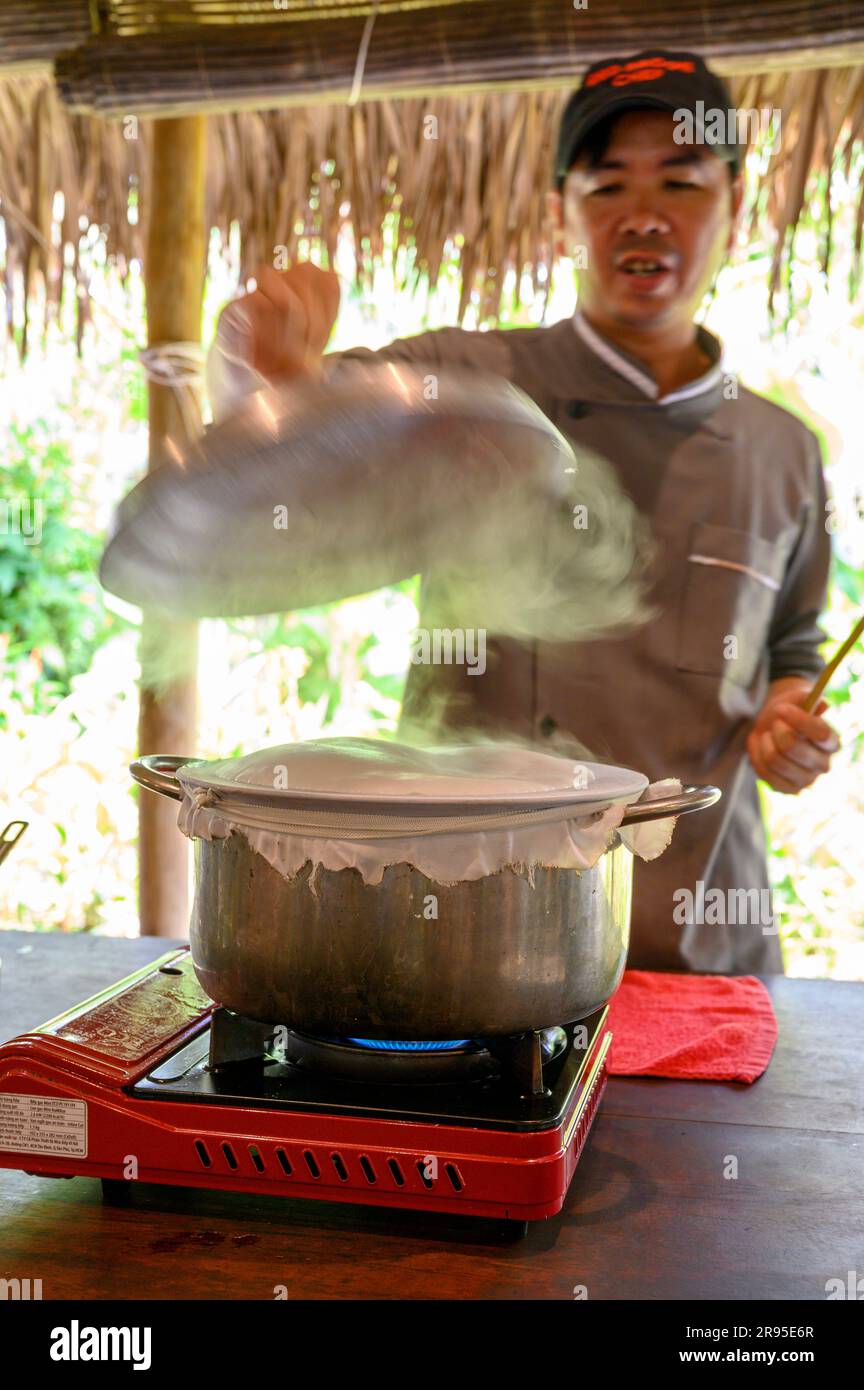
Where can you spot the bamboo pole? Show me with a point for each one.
(174, 279)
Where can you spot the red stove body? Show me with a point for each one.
(120, 1088)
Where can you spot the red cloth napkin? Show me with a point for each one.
(691, 1027)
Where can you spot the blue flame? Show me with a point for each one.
(380, 1045)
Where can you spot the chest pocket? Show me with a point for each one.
(731, 586)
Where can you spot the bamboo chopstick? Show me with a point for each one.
(838, 656)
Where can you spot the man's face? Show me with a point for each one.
(656, 220)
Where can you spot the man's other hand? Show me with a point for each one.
(788, 746)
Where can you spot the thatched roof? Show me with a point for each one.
(313, 168)
(115, 56)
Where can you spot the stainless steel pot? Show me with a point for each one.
(345, 958)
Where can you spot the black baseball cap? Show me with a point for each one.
(655, 77)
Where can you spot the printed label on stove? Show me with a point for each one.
(43, 1125)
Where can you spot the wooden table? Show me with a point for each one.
(650, 1213)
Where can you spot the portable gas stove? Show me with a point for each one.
(151, 1081)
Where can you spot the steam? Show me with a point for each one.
(439, 717)
(566, 565)
(326, 490)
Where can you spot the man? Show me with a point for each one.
(712, 689)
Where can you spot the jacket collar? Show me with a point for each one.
(590, 370)
(638, 375)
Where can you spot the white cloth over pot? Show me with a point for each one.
(455, 813)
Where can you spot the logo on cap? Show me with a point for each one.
(640, 70)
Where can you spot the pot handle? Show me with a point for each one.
(158, 773)
(690, 798)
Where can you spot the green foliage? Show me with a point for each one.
(309, 631)
(136, 384)
(849, 580)
(330, 667)
(50, 599)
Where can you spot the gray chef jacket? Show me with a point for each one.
(733, 490)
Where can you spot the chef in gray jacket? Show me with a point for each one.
(712, 688)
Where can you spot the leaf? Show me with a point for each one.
(850, 581)
(8, 575)
(391, 686)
